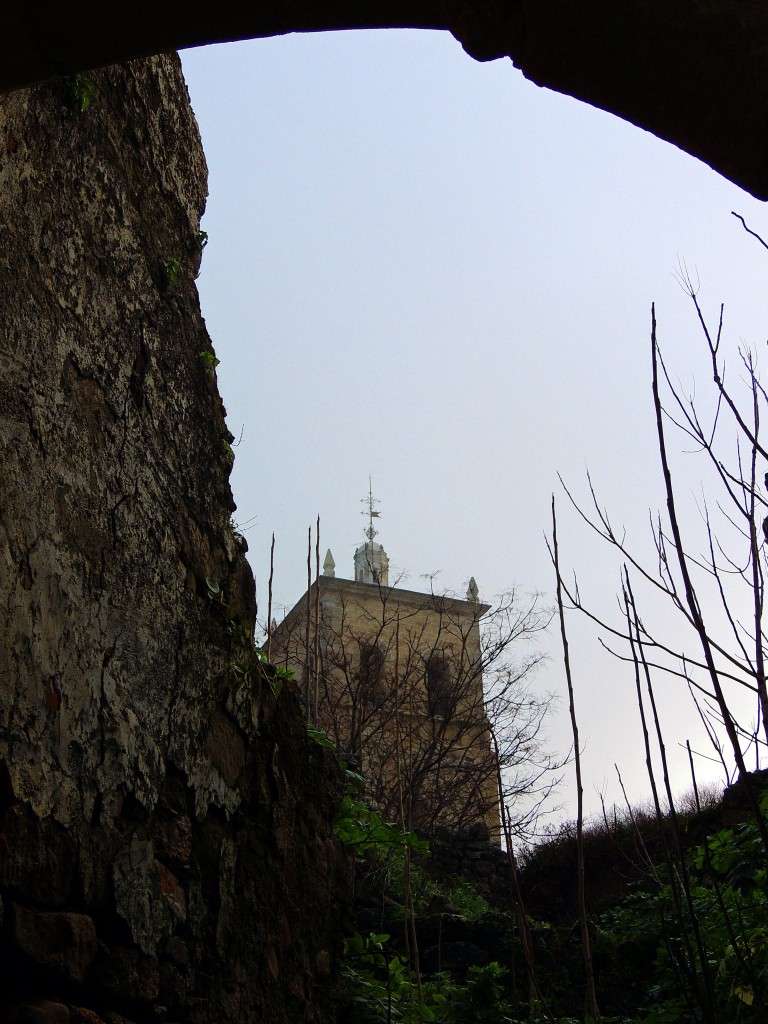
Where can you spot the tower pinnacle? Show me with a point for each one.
(371, 561)
(370, 502)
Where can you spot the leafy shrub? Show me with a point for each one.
(380, 988)
(467, 900)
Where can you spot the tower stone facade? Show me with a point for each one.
(395, 677)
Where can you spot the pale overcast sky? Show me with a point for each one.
(431, 271)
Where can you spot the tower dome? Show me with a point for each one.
(372, 564)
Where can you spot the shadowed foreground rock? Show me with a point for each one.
(165, 842)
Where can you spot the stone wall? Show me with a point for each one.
(165, 842)
(471, 854)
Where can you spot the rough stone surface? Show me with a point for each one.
(470, 854)
(158, 811)
(38, 1011)
(62, 944)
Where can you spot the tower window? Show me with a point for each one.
(371, 672)
(438, 680)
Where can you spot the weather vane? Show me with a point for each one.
(370, 502)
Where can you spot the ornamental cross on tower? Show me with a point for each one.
(370, 510)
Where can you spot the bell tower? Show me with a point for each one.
(371, 560)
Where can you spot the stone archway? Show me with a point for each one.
(159, 809)
(694, 74)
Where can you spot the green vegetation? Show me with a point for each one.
(169, 275)
(79, 92)
(664, 952)
(227, 449)
(198, 244)
(728, 917)
(209, 360)
(359, 826)
(380, 983)
(380, 988)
